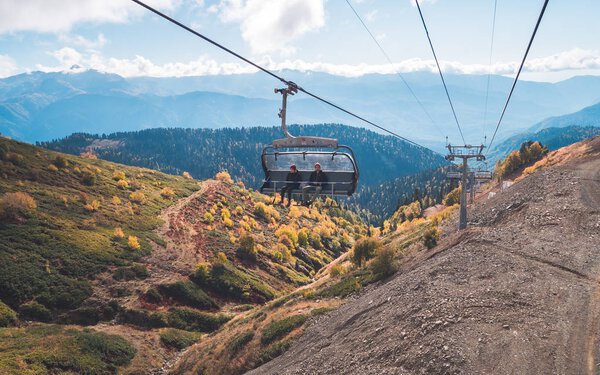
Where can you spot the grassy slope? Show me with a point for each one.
(61, 246)
(51, 255)
(259, 335)
(41, 348)
(62, 263)
(241, 344)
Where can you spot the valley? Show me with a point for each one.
(441, 162)
(148, 264)
(179, 276)
(131, 253)
(238, 151)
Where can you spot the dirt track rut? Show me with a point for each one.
(517, 293)
(590, 173)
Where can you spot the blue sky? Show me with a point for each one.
(322, 35)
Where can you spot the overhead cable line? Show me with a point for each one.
(391, 63)
(440, 71)
(288, 83)
(487, 87)
(537, 25)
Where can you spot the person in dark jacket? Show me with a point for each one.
(317, 179)
(292, 181)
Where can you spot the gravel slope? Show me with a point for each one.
(516, 293)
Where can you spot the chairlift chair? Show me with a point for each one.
(337, 161)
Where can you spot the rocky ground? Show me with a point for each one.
(516, 293)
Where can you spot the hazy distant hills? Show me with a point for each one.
(555, 132)
(42, 106)
(589, 116)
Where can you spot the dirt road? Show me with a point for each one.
(516, 293)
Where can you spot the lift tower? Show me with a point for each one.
(478, 177)
(465, 153)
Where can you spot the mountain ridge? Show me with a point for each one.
(554, 132)
(380, 98)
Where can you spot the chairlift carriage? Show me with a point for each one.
(337, 161)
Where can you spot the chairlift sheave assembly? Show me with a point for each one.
(337, 161)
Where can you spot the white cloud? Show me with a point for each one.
(421, 2)
(370, 16)
(8, 66)
(60, 15)
(213, 9)
(575, 59)
(380, 36)
(81, 41)
(67, 57)
(140, 66)
(270, 25)
(572, 60)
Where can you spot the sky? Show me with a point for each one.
(119, 36)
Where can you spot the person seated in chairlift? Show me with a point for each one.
(317, 179)
(292, 181)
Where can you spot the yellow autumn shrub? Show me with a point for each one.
(224, 176)
(167, 193)
(12, 205)
(137, 197)
(118, 233)
(133, 243)
(92, 206)
(119, 175)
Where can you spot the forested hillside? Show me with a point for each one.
(203, 152)
(384, 199)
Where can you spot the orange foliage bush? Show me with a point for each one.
(118, 233)
(224, 176)
(88, 155)
(92, 206)
(13, 205)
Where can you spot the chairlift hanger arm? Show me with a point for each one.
(290, 90)
(290, 140)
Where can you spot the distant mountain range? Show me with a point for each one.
(589, 116)
(43, 106)
(554, 132)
